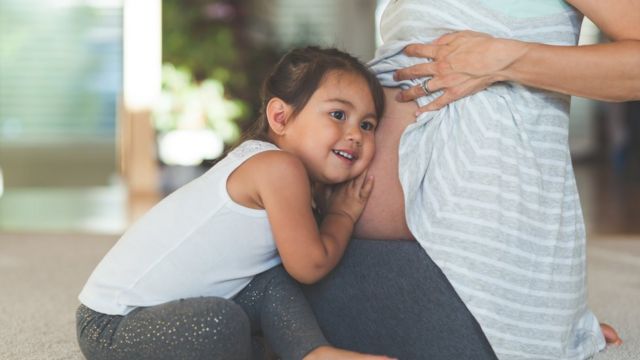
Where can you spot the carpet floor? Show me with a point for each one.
(41, 276)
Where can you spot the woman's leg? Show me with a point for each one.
(388, 297)
(279, 311)
(196, 328)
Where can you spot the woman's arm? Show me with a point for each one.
(467, 62)
(604, 71)
(308, 252)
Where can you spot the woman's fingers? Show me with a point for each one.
(446, 38)
(452, 36)
(446, 82)
(453, 93)
(412, 93)
(439, 102)
(435, 49)
(415, 71)
(422, 50)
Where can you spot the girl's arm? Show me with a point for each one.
(307, 253)
(467, 62)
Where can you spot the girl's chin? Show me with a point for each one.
(332, 180)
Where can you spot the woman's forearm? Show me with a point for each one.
(609, 72)
(466, 62)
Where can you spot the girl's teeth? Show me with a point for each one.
(344, 154)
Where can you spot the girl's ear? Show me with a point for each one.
(278, 113)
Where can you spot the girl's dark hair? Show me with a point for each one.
(299, 74)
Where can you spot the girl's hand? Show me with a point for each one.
(463, 63)
(349, 198)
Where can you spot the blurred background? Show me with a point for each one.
(108, 105)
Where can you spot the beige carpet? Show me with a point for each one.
(41, 275)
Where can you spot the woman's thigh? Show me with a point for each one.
(388, 297)
(383, 217)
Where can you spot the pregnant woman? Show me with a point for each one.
(477, 171)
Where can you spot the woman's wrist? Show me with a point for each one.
(513, 52)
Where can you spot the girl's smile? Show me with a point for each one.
(346, 155)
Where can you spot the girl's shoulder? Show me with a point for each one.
(276, 164)
(251, 147)
(264, 175)
(261, 158)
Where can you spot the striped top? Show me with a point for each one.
(489, 187)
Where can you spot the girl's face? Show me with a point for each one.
(333, 134)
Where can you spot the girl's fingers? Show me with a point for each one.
(365, 191)
(359, 180)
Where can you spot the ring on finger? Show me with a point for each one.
(425, 86)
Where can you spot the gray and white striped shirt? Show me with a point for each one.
(489, 186)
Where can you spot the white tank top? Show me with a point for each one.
(196, 242)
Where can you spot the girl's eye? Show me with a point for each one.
(368, 126)
(338, 115)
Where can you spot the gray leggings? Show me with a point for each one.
(272, 307)
(388, 297)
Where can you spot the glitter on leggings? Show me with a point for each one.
(207, 327)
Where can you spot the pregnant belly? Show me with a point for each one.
(383, 217)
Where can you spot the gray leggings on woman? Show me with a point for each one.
(271, 306)
(388, 297)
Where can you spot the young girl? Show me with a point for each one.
(199, 274)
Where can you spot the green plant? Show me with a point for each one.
(189, 105)
(210, 39)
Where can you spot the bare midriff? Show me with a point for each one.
(383, 217)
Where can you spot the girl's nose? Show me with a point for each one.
(354, 134)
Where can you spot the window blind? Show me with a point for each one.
(60, 68)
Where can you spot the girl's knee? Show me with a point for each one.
(217, 313)
(202, 320)
(230, 320)
(228, 326)
(216, 327)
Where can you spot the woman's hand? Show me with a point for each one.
(463, 63)
(349, 198)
